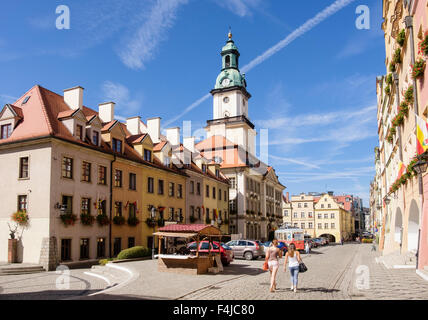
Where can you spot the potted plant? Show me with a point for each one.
(20, 217)
(387, 89)
(68, 218)
(396, 59)
(418, 69)
(119, 220)
(401, 37)
(87, 219)
(408, 95)
(150, 222)
(404, 108)
(103, 220)
(423, 45)
(389, 79)
(192, 219)
(392, 67)
(133, 221)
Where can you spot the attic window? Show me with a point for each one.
(25, 100)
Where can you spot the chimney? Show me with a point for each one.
(173, 136)
(189, 143)
(106, 111)
(74, 97)
(287, 196)
(153, 129)
(133, 125)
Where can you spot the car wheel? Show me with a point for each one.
(248, 255)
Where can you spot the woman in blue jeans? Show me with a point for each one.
(293, 258)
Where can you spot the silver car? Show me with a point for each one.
(248, 249)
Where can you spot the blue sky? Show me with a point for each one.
(316, 95)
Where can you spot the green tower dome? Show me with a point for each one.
(230, 76)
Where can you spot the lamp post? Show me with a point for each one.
(153, 216)
(420, 167)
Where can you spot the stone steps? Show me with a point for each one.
(113, 275)
(16, 270)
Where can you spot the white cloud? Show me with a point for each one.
(4, 98)
(241, 8)
(304, 28)
(119, 94)
(141, 46)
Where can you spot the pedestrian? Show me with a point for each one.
(293, 258)
(341, 241)
(273, 255)
(307, 247)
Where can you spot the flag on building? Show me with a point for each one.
(421, 135)
(401, 169)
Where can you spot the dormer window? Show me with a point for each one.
(95, 137)
(167, 161)
(204, 168)
(147, 155)
(6, 131)
(117, 145)
(79, 131)
(217, 173)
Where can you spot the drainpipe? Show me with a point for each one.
(111, 205)
(409, 25)
(397, 97)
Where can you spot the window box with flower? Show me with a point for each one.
(418, 69)
(68, 219)
(119, 220)
(401, 37)
(87, 219)
(20, 217)
(133, 221)
(103, 220)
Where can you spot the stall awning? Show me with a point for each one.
(175, 234)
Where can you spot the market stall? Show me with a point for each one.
(191, 262)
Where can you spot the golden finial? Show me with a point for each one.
(230, 34)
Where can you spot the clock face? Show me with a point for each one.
(226, 99)
(225, 82)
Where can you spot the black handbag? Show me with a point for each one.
(302, 267)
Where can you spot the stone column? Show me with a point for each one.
(49, 258)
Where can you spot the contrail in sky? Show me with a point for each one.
(307, 26)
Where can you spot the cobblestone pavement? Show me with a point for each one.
(42, 286)
(331, 275)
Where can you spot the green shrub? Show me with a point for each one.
(366, 240)
(103, 262)
(401, 37)
(134, 252)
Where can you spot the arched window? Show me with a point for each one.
(227, 61)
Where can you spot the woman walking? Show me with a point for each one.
(273, 255)
(293, 258)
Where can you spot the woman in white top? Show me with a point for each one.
(273, 255)
(293, 258)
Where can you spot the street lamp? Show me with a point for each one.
(153, 216)
(420, 166)
(387, 200)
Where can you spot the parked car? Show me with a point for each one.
(314, 243)
(248, 249)
(226, 253)
(319, 241)
(325, 241)
(281, 246)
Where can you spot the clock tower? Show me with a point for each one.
(230, 102)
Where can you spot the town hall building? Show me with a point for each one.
(255, 194)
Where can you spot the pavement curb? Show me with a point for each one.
(422, 275)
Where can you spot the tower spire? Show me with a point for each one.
(230, 33)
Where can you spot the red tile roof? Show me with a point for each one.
(184, 228)
(214, 142)
(40, 119)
